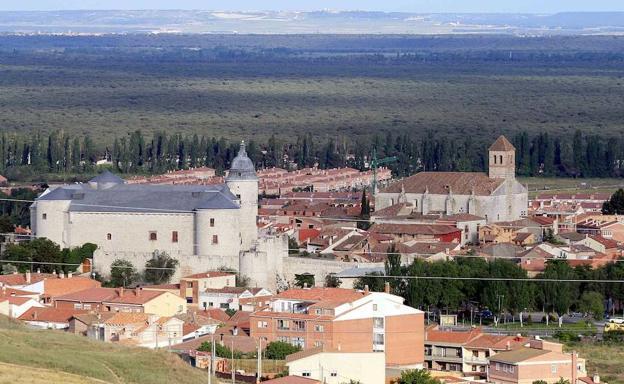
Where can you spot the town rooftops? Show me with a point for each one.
(15, 300)
(451, 337)
(208, 275)
(61, 286)
(415, 229)
(233, 290)
(123, 318)
(93, 318)
(502, 144)
(496, 342)
(441, 183)
(519, 355)
(134, 297)
(24, 278)
(49, 315)
(318, 294)
(93, 295)
(607, 243)
(573, 236)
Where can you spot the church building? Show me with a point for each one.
(495, 196)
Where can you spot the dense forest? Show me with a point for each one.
(27, 157)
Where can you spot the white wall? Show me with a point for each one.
(338, 367)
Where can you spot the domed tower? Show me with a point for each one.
(243, 182)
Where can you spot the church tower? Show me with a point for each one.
(243, 182)
(502, 159)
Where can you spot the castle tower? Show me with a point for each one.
(243, 182)
(502, 159)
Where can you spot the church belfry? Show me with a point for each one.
(502, 159)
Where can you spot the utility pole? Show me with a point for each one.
(232, 367)
(259, 360)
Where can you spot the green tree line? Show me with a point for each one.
(578, 156)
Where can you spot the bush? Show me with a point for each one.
(278, 350)
(160, 268)
(566, 336)
(220, 350)
(123, 273)
(613, 337)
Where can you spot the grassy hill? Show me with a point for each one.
(43, 356)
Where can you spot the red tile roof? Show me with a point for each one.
(415, 229)
(502, 144)
(452, 337)
(47, 314)
(608, 243)
(322, 294)
(208, 275)
(136, 297)
(91, 295)
(439, 183)
(58, 287)
(20, 278)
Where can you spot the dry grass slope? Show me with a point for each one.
(60, 357)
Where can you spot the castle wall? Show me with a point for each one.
(319, 268)
(51, 220)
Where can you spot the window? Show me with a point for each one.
(298, 342)
(494, 159)
(211, 304)
(378, 338)
(466, 232)
(378, 322)
(475, 353)
(77, 306)
(318, 311)
(498, 366)
(374, 307)
(474, 368)
(283, 324)
(319, 328)
(86, 306)
(333, 374)
(224, 306)
(215, 239)
(212, 222)
(318, 344)
(283, 339)
(505, 367)
(553, 368)
(44, 216)
(153, 236)
(511, 369)
(263, 324)
(174, 236)
(306, 374)
(109, 236)
(299, 325)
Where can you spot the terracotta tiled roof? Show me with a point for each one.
(502, 144)
(451, 337)
(320, 294)
(496, 342)
(59, 287)
(47, 314)
(20, 278)
(415, 229)
(137, 297)
(427, 248)
(7, 291)
(542, 220)
(91, 295)
(93, 318)
(15, 300)
(608, 243)
(439, 183)
(240, 319)
(166, 287)
(215, 313)
(208, 275)
(121, 318)
(392, 210)
(462, 217)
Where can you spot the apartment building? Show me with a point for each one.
(345, 320)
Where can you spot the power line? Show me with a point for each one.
(516, 279)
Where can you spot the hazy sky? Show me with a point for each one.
(531, 6)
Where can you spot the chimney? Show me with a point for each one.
(62, 275)
(121, 292)
(15, 273)
(28, 279)
(69, 275)
(366, 290)
(387, 287)
(574, 366)
(596, 378)
(137, 291)
(38, 270)
(508, 345)
(54, 273)
(305, 285)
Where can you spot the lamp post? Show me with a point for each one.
(211, 331)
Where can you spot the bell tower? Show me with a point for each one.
(502, 159)
(243, 183)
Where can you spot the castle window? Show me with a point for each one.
(109, 236)
(494, 159)
(215, 239)
(212, 222)
(44, 216)
(500, 158)
(174, 236)
(153, 236)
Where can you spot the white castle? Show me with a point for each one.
(203, 226)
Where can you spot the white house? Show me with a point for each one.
(236, 298)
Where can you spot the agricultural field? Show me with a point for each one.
(602, 358)
(538, 185)
(252, 88)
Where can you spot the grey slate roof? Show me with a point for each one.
(107, 177)
(242, 167)
(144, 198)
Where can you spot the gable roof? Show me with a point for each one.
(47, 314)
(439, 183)
(519, 355)
(451, 337)
(318, 294)
(122, 318)
(21, 278)
(93, 295)
(135, 297)
(208, 275)
(58, 287)
(414, 229)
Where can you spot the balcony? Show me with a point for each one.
(476, 360)
(443, 358)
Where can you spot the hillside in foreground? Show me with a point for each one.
(45, 356)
